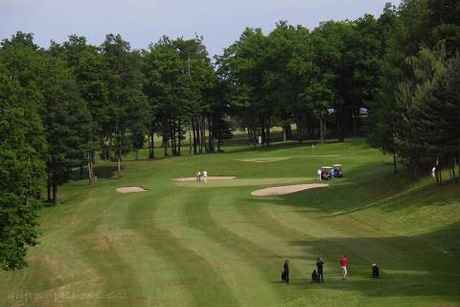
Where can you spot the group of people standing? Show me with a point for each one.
(317, 275)
(202, 176)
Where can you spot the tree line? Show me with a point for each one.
(393, 77)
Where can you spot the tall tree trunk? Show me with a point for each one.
(151, 145)
(355, 121)
(165, 144)
(119, 149)
(196, 139)
(205, 144)
(437, 172)
(111, 148)
(91, 176)
(49, 189)
(321, 130)
(190, 141)
(458, 166)
(55, 193)
(193, 136)
(340, 116)
(455, 166)
(211, 134)
(179, 137)
(172, 137)
(205, 128)
(201, 134)
(440, 174)
(395, 165)
(269, 125)
(262, 126)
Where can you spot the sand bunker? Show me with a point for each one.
(125, 190)
(289, 189)
(209, 178)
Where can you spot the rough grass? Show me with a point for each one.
(215, 245)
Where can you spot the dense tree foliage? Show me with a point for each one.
(22, 149)
(179, 83)
(67, 123)
(415, 115)
(308, 78)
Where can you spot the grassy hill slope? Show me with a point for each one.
(216, 245)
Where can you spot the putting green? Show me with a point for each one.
(245, 182)
(191, 244)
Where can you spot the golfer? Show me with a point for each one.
(198, 176)
(205, 176)
(319, 174)
(375, 271)
(285, 272)
(319, 269)
(344, 265)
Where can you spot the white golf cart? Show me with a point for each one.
(338, 171)
(326, 172)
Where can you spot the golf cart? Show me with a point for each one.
(326, 172)
(338, 172)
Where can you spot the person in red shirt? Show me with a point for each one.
(344, 265)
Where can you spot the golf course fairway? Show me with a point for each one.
(195, 244)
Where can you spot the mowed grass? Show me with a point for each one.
(185, 244)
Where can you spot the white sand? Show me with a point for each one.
(125, 190)
(289, 189)
(209, 178)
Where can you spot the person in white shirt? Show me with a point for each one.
(319, 174)
(198, 176)
(205, 176)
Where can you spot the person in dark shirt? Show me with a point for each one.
(319, 269)
(314, 276)
(285, 273)
(375, 271)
